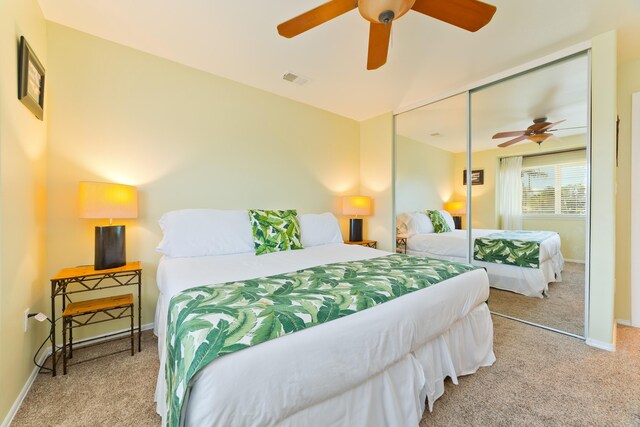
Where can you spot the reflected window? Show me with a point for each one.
(554, 188)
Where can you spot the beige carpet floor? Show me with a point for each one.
(540, 379)
(562, 309)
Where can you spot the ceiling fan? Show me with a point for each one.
(470, 15)
(538, 132)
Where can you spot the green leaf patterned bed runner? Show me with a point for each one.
(207, 322)
(519, 248)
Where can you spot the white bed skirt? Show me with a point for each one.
(531, 282)
(397, 395)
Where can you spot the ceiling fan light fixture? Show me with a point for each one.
(383, 11)
(538, 138)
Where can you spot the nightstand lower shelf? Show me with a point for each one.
(83, 313)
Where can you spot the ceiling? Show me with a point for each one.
(558, 91)
(238, 40)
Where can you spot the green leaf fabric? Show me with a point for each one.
(207, 322)
(275, 231)
(439, 223)
(520, 248)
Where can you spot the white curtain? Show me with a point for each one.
(511, 193)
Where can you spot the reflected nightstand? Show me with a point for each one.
(401, 245)
(368, 243)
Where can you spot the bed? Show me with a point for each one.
(374, 367)
(531, 281)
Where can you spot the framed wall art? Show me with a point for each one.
(30, 79)
(477, 177)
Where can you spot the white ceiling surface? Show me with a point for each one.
(238, 40)
(558, 91)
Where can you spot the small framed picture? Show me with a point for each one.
(30, 79)
(477, 177)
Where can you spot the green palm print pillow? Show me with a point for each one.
(275, 231)
(438, 221)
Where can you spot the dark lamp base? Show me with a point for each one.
(110, 247)
(457, 220)
(355, 230)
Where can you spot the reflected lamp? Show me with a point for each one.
(101, 200)
(356, 206)
(456, 209)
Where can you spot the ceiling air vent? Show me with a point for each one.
(295, 78)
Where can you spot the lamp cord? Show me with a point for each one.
(44, 369)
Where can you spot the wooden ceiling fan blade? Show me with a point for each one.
(470, 15)
(379, 35)
(509, 134)
(321, 14)
(513, 141)
(551, 125)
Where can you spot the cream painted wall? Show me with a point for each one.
(572, 234)
(376, 178)
(424, 176)
(485, 212)
(186, 139)
(22, 200)
(603, 190)
(628, 83)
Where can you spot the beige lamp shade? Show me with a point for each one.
(356, 205)
(105, 200)
(456, 208)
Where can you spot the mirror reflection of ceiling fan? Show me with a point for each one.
(538, 132)
(470, 15)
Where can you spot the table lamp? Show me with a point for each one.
(456, 209)
(101, 200)
(356, 205)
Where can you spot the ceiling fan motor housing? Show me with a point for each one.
(383, 11)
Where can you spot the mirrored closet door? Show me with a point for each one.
(524, 215)
(529, 148)
(431, 151)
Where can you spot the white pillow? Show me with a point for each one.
(417, 223)
(448, 219)
(423, 223)
(319, 229)
(203, 232)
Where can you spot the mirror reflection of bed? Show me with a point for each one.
(528, 199)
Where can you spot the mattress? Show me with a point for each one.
(287, 380)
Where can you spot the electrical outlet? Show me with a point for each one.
(26, 320)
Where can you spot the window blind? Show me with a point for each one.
(559, 189)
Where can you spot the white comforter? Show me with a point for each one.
(454, 246)
(285, 381)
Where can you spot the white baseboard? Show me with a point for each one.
(623, 322)
(104, 337)
(601, 345)
(47, 352)
(25, 389)
(577, 261)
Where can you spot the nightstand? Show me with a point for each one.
(368, 243)
(401, 245)
(70, 281)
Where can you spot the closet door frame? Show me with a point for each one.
(635, 209)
